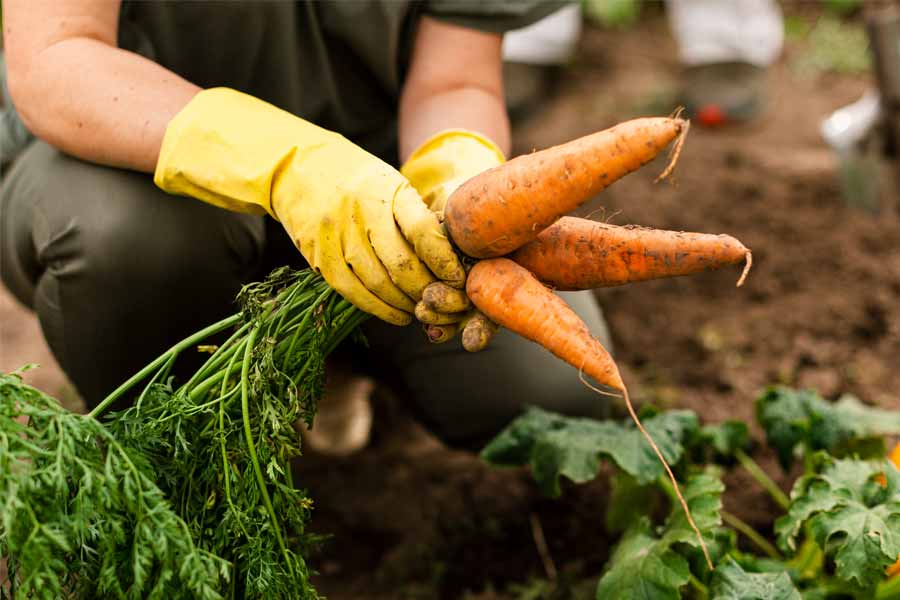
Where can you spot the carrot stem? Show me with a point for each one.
(763, 479)
(161, 360)
(251, 446)
(751, 534)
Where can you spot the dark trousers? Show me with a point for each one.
(118, 271)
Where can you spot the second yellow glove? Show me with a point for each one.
(436, 169)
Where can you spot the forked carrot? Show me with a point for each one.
(579, 254)
(512, 297)
(501, 209)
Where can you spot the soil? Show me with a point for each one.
(411, 518)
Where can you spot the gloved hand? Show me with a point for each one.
(439, 166)
(445, 161)
(354, 218)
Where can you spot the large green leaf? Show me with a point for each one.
(643, 568)
(556, 445)
(731, 582)
(802, 418)
(719, 442)
(852, 509)
(646, 564)
(629, 502)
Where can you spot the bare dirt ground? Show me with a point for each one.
(413, 519)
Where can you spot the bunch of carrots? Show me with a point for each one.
(511, 217)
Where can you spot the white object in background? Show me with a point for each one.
(550, 41)
(846, 127)
(849, 131)
(715, 31)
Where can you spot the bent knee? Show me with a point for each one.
(106, 222)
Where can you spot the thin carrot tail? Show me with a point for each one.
(675, 152)
(747, 265)
(665, 463)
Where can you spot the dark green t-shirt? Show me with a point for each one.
(339, 64)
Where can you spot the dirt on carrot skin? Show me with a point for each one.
(411, 518)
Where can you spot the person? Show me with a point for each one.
(286, 121)
(725, 49)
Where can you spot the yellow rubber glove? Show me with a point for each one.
(446, 160)
(436, 169)
(354, 218)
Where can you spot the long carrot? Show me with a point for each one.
(501, 209)
(579, 254)
(512, 297)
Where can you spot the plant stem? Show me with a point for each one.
(161, 360)
(207, 384)
(226, 475)
(223, 353)
(699, 588)
(251, 446)
(809, 558)
(751, 534)
(160, 373)
(763, 479)
(889, 590)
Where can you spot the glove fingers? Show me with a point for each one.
(361, 257)
(442, 298)
(436, 200)
(406, 269)
(438, 334)
(330, 261)
(478, 332)
(422, 229)
(431, 317)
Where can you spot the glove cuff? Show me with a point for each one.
(228, 148)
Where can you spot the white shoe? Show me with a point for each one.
(344, 420)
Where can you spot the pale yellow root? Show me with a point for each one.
(675, 153)
(747, 266)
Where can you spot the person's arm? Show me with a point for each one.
(75, 89)
(455, 80)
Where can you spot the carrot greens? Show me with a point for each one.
(189, 492)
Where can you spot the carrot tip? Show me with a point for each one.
(595, 388)
(747, 265)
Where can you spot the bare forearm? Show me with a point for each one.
(455, 81)
(100, 103)
(466, 108)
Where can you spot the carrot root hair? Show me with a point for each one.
(675, 153)
(747, 265)
(662, 459)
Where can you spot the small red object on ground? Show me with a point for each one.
(711, 115)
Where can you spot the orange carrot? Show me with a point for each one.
(512, 297)
(578, 254)
(501, 209)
